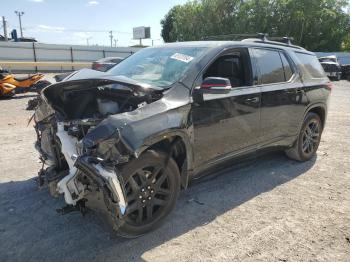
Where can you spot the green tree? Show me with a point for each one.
(168, 24)
(346, 43)
(319, 25)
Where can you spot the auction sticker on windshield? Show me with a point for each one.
(182, 57)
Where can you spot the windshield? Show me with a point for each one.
(158, 66)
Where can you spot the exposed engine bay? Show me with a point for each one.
(79, 151)
(96, 99)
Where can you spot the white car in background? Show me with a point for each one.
(331, 66)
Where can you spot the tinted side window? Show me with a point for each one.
(288, 72)
(228, 66)
(116, 60)
(270, 66)
(311, 65)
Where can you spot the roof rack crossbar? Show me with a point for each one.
(288, 40)
(285, 39)
(262, 36)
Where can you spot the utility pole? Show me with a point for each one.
(4, 25)
(87, 40)
(20, 13)
(111, 37)
(155, 40)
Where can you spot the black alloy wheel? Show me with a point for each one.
(147, 192)
(152, 185)
(308, 140)
(311, 137)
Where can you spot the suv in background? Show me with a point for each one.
(331, 66)
(105, 64)
(126, 141)
(345, 71)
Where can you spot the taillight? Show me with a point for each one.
(97, 66)
(330, 85)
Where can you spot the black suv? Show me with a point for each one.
(126, 141)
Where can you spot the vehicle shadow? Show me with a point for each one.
(20, 96)
(26, 95)
(31, 230)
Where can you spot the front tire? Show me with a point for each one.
(308, 140)
(151, 191)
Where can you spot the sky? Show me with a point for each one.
(82, 21)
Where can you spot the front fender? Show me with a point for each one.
(7, 88)
(140, 135)
(183, 134)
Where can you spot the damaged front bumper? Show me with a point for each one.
(106, 178)
(67, 177)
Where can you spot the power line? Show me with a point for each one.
(82, 30)
(96, 31)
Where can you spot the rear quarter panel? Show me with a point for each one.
(316, 89)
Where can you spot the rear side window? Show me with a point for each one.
(288, 72)
(270, 66)
(311, 65)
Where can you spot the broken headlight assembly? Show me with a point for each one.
(104, 143)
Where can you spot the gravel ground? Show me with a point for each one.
(274, 209)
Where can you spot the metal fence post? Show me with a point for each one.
(35, 59)
(71, 57)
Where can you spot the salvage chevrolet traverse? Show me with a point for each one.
(126, 141)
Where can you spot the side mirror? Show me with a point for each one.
(215, 85)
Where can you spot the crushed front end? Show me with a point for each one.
(80, 150)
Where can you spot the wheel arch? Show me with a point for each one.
(176, 144)
(320, 109)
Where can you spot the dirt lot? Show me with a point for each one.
(272, 210)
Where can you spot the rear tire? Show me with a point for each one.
(151, 191)
(308, 140)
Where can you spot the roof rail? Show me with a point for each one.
(229, 37)
(276, 40)
(256, 38)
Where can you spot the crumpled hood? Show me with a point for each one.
(85, 80)
(83, 73)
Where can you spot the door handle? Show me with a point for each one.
(294, 91)
(252, 100)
